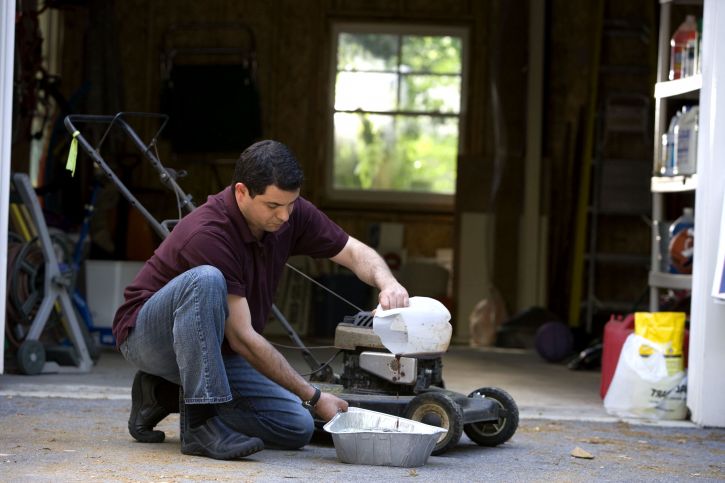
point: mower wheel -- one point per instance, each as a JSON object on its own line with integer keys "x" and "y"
{"x": 501, "y": 430}
{"x": 438, "y": 409}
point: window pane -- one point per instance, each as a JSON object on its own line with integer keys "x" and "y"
{"x": 431, "y": 93}
{"x": 441, "y": 55}
{"x": 428, "y": 147}
{"x": 367, "y": 52}
{"x": 366, "y": 91}
{"x": 376, "y": 147}
{"x": 362, "y": 145}
{"x": 395, "y": 153}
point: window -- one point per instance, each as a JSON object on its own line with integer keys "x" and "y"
{"x": 396, "y": 112}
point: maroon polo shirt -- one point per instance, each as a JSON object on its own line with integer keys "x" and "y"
{"x": 217, "y": 234}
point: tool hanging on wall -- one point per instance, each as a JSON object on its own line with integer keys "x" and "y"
{"x": 208, "y": 71}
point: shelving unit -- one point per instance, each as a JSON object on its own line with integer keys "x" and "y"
{"x": 666, "y": 91}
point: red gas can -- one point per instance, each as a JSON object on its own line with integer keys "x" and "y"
{"x": 616, "y": 332}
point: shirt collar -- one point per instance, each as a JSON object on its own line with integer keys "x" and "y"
{"x": 236, "y": 216}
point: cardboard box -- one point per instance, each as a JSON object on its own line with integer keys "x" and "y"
{"x": 105, "y": 283}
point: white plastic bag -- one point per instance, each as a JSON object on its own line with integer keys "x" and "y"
{"x": 642, "y": 387}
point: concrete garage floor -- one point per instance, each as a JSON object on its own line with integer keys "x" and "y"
{"x": 71, "y": 427}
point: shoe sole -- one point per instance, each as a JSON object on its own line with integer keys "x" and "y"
{"x": 230, "y": 455}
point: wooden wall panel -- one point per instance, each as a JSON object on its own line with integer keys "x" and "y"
{"x": 292, "y": 52}
{"x": 293, "y": 47}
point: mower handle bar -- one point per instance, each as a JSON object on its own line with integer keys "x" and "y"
{"x": 167, "y": 179}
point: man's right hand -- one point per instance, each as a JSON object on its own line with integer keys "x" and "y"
{"x": 329, "y": 405}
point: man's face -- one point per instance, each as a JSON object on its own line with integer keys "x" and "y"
{"x": 267, "y": 211}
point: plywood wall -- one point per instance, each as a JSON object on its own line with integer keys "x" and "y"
{"x": 292, "y": 51}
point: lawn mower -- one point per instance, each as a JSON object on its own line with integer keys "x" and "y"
{"x": 376, "y": 376}
{"x": 390, "y": 364}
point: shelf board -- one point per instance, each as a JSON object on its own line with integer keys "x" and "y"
{"x": 673, "y": 184}
{"x": 686, "y": 87}
{"x": 670, "y": 280}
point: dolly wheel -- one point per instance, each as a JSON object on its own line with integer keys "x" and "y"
{"x": 31, "y": 357}
{"x": 438, "y": 409}
{"x": 497, "y": 432}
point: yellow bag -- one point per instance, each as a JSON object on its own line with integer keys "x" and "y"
{"x": 650, "y": 380}
{"x": 667, "y": 329}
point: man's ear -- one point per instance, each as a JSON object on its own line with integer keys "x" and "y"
{"x": 240, "y": 191}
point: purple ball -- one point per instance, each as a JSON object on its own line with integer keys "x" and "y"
{"x": 554, "y": 341}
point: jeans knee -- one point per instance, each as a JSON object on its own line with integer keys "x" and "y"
{"x": 299, "y": 433}
{"x": 280, "y": 430}
{"x": 211, "y": 286}
{"x": 210, "y": 278}
{"x": 199, "y": 294}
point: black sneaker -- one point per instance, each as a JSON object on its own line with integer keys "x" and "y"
{"x": 214, "y": 439}
{"x": 152, "y": 399}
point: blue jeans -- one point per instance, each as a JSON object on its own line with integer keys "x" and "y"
{"x": 178, "y": 336}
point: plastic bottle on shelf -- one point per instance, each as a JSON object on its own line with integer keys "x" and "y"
{"x": 668, "y": 146}
{"x": 686, "y": 32}
{"x": 682, "y": 239}
{"x": 685, "y": 148}
{"x": 691, "y": 55}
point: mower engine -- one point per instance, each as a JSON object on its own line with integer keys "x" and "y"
{"x": 369, "y": 368}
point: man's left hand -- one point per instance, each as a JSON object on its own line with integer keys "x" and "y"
{"x": 329, "y": 405}
{"x": 393, "y": 296}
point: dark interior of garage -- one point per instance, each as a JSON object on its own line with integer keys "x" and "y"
{"x": 230, "y": 73}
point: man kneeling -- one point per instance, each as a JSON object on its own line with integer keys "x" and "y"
{"x": 194, "y": 314}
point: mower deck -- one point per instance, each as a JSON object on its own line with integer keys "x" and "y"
{"x": 475, "y": 410}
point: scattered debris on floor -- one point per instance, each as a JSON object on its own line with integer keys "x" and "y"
{"x": 580, "y": 453}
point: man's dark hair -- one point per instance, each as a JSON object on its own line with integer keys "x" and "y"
{"x": 267, "y": 163}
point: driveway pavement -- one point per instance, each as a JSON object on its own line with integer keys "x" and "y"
{"x": 73, "y": 428}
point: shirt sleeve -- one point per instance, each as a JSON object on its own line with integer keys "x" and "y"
{"x": 316, "y": 235}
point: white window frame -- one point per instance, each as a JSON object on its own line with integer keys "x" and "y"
{"x": 380, "y": 196}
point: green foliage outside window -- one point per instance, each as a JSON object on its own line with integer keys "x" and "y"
{"x": 397, "y": 102}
